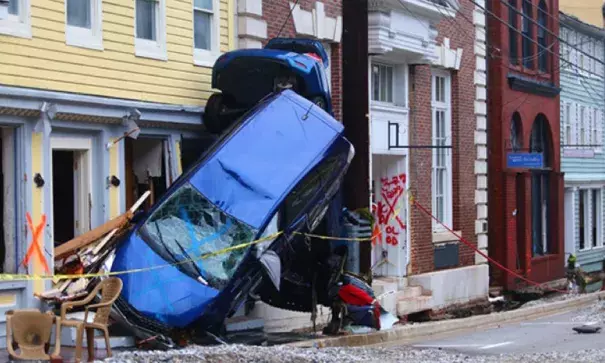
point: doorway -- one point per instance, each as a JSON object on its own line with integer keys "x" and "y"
{"x": 147, "y": 169}
{"x": 389, "y": 203}
{"x": 570, "y": 241}
{"x": 71, "y": 185}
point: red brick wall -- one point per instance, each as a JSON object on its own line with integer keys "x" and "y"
{"x": 276, "y": 14}
{"x": 510, "y": 237}
{"x": 461, "y": 34}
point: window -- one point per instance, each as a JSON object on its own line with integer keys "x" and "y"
{"x": 382, "y": 83}
{"x": 513, "y": 36}
{"x": 594, "y": 137}
{"x": 84, "y": 23}
{"x": 543, "y": 51}
{"x": 541, "y": 228}
{"x": 205, "y": 32}
{"x": 187, "y": 225}
{"x": 442, "y": 163}
{"x": 590, "y": 215}
{"x": 150, "y": 30}
{"x": 528, "y": 50}
{"x": 582, "y": 128}
{"x": 595, "y": 207}
{"x": 568, "y": 139}
{"x": 18, "y": 22}
{"x": 307, "y": 190}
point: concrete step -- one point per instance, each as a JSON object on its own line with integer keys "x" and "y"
{"x": 412, "y": 305}
{"x": 410, "y": 292}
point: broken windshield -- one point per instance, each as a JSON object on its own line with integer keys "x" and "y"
{"x": 187, "y": 226}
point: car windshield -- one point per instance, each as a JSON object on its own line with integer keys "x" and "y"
{"x": 187, "y": 226}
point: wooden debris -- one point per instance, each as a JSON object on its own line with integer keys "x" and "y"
{"x": 92, "y": 236}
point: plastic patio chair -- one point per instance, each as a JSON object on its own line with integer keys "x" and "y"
{"x": 110, "y": 289}
{"x": 29, "y": 331}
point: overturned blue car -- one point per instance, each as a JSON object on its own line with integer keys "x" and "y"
{"x": 270, "y": 177}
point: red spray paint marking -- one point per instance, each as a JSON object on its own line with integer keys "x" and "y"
{"x": 34, "y": 247}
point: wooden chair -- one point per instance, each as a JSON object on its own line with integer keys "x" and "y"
{"x": 110, "y": 289}
{"x": 29, "y": 331}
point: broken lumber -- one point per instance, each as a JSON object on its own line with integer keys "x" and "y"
{"x": 92, "y": 236}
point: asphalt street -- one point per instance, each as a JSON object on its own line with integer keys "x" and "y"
{"x": 545, "y": 335}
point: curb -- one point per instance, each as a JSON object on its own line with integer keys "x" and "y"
{"x": 423, "y": 330}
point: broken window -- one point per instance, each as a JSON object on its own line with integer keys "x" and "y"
{"x": 187, "y": 225}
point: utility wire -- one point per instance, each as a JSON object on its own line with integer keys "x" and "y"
{"x": 287, "y": 18}
{"x": 524, "y": 16}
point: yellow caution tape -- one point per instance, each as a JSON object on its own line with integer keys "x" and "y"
{"x": 58, "y": 277}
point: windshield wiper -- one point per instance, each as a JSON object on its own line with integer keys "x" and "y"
{"x": 197, "y": 268}
{"x": 184, "y": 264}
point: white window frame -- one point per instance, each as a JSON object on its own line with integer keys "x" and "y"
{"x": 447, "y": 108}
{"x": 568, "y": 125}
{"x": 87, "y": 38}
{"x": 149, "y": 48}
{"x": 598, "y": 123}
{"x": 205, "y": 57}
{"x": 18, "y": 25}
{"x": 393, "y": 88}
{"x": 589, "y": 222}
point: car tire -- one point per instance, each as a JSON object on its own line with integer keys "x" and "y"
{"x": 216, "y": 104}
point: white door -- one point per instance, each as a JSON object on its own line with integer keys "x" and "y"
{"x": 569, "y": 208}
{"x": 389, "y": 180}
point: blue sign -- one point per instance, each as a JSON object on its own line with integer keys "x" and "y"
{"x": 525, "y": 160}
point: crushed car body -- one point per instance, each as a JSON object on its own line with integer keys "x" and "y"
{"x": 271, "y": 175}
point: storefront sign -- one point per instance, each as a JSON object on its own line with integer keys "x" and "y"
{"x": 525, "y": 160}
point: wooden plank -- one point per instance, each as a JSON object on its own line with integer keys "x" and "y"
{"x": 91, "y": 236}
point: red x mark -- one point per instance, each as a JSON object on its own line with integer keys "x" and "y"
{"x": 35, "y": 245}
{"x": 392, "y": 207}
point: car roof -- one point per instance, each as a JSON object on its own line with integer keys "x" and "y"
{"x": 255, "y": 168}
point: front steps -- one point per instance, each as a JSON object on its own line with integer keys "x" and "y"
{"x": 405, "y": 300}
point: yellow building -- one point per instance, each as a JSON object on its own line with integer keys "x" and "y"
{"x": 74, "y": 76}
{"x": 589, "y": 11}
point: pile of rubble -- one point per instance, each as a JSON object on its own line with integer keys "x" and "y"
{"x": 88, "y": 254}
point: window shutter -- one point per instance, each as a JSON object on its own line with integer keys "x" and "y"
{"x": 600, "y": 130}
{"x": 575, "y": 127}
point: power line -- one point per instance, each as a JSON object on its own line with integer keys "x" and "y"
{"x": 523, "y": 35}
{"x": 287, "y": 18}
{"x": 524, "y": 16}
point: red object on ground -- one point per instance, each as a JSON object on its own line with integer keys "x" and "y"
{"x": 353, "y": 295}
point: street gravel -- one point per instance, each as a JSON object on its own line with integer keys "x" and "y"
{"x": 278, "y": 354}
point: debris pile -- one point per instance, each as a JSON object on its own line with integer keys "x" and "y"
{"x": 88, "y": 254}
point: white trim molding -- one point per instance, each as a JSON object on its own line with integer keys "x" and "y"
{"x": 447, "y": 57}
{"x": 155, "y": 49}
{"x": 207, "y": 57}
{"x": 18, "y": 25}
{"x": 316, "y": 23}
{"x": 408, "y": 26}
{"x": 92, "y": 37}
{"x": 479, "y": 20}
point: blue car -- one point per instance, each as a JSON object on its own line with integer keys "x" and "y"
{"x": 246, "y": 76}
{"x": 277, "y": 169}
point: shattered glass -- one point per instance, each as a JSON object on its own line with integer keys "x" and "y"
{"x": 187, "y": 226}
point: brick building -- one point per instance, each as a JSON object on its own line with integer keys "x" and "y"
{"x": 259, "y": 21}
{"x": 526, "y": 202}
{"x": 428, "y": 136}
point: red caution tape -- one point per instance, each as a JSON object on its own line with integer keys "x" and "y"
{"x": 496, "y": 263}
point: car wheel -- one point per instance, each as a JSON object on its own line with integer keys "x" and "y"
{"x": 216, "y": 105}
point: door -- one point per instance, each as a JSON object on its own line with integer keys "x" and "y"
{"x": 570, "y": 241}
{"x": 71, "y": 186}
{"x": 389, "y": 183}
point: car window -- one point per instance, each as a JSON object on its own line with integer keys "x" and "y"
{"x": 306, "y": 189}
